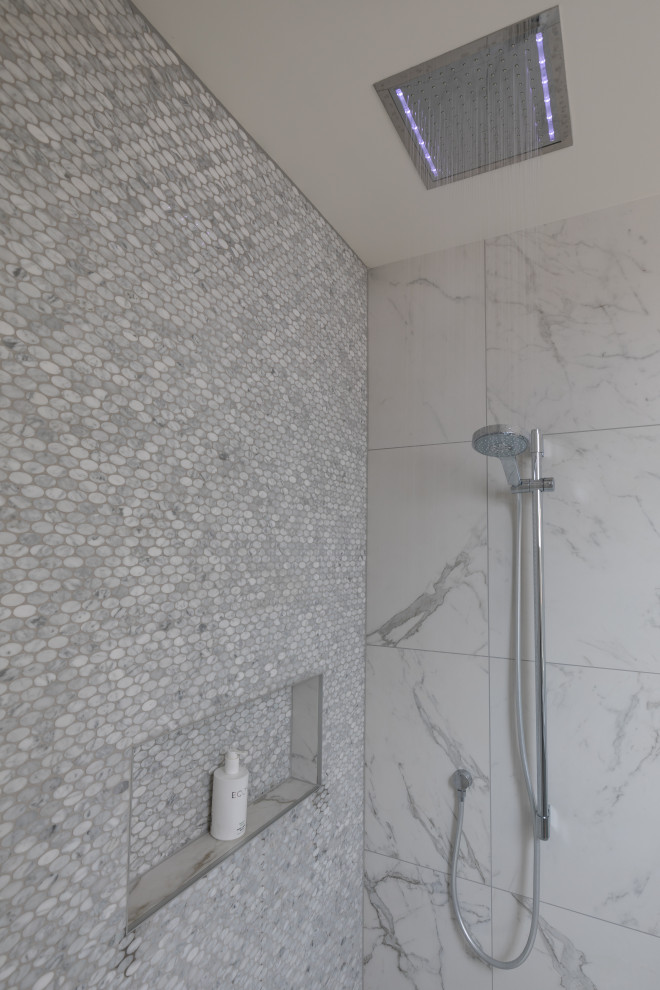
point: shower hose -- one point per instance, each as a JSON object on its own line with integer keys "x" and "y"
{"x": 490, "y": 960}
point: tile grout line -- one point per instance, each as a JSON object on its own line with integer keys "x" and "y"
{"x": 549, "y": 433}
{"x": 514, "y": 894}
{"x": 497, "y": 656}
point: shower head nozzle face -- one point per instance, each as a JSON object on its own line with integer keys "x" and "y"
{"x": 502, "y": 442}
{"x": 499, "y": 441}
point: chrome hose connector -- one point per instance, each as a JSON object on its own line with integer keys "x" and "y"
{"x": 461, "y": 779}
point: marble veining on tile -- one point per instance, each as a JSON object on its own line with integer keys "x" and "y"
{"x": 427, "y": 715}
{"x": 426, "y": 349}
{"x": 602, "y": 542}
{"x": 602, "y": 858}
{"x": 572, "y": 950}
{"x": 426, "y": 569}
{"x": 572, "y": 311}
{"x": 411, "y": 942}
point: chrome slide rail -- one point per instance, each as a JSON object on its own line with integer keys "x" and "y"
{"x": 539, "y": 485}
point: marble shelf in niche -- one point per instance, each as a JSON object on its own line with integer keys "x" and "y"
{"x": 284, "y": 729}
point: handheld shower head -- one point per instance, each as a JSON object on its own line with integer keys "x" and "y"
{"x": 503, "y": 442}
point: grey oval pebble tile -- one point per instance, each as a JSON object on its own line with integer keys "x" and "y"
{"x": 182, "y": 434}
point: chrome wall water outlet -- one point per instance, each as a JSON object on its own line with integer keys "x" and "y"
{"x": 461, "y": 779}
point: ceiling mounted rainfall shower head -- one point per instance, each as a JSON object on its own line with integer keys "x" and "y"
{"x": 503, "y": 442}
{"x": 494, "y": 101}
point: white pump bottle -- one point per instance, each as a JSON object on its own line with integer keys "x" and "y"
{"x": 229, "y": 802}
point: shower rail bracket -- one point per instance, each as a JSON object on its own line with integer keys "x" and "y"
{"x": 543, "y": 826}
{"x": 528, "y": 485}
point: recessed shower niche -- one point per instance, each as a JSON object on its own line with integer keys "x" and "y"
{"x": 170, "y": 846}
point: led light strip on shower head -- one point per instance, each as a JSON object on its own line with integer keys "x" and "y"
{"x": 544, "y": 83}
{"x": 416, "y": 132}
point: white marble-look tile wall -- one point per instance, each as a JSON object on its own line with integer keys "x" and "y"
{"x": 437, "y": 719}
{"x": 427, "y": 316}
{"x": 427, "y": 569}
{"x": 572, "y": 345}
{"x": 603, "y": 532}
{"x": 410, "y": 940}
{"x": 572, "y": 322}
{"x": 604, "y": 765}
{"x": 572, "y": 951}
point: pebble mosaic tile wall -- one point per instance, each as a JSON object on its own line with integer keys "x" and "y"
{"x": 171, "y": 775}
{"x": 182, "y": 415}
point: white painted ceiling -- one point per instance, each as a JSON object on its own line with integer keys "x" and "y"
{"x": 298, "y": 75}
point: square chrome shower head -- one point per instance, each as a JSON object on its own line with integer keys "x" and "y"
{"x": 495, "y": 101}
